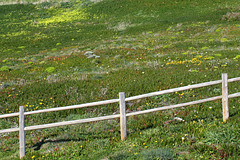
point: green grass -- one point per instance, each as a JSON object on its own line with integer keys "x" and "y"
{"x": 59, "y": 54}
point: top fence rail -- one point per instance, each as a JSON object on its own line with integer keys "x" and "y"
{"x": 205, "y": 84}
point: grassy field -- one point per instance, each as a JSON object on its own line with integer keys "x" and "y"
{"x": 59, "y": 54}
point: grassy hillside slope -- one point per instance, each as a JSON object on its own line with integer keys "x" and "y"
{"x": 59, "y": 54}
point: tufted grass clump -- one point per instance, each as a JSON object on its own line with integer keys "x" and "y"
{"x": 226, "y": 134}
{"x": 50, "y": 69}
{"x": 5, "y": 68}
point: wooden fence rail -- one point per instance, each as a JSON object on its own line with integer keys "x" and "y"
{"x": 127, "y": 99}
{"x": 122, "y": 103}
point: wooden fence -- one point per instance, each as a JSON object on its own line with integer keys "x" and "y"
{"x": 122, "y": 103}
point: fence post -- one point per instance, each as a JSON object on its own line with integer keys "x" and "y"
{"x": 123, "y": 120}
{"x": 21, "y": 132}
{"x": 225, "y": 97}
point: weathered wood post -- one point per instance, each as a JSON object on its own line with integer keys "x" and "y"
{"x": 21, "y": 132}
{"x": 225, "y": 97}
{"x": 123, "y": 120}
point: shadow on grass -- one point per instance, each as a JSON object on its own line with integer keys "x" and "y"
{"x": 38, "y": 145}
